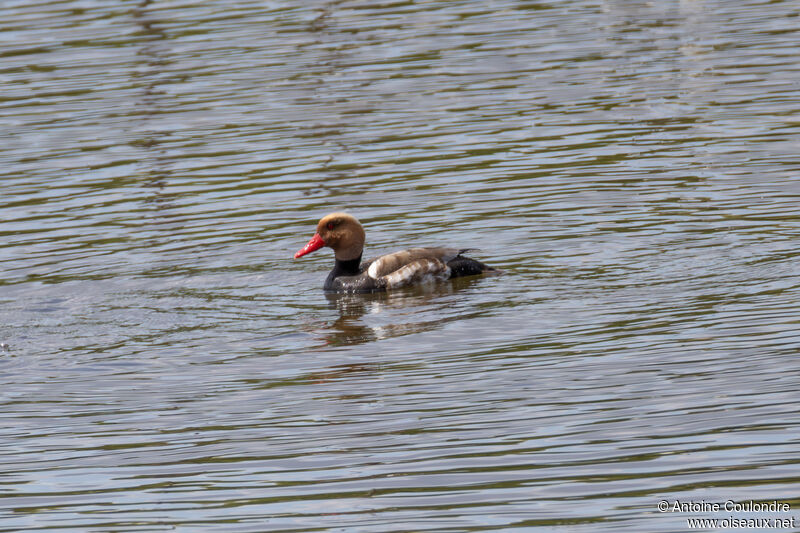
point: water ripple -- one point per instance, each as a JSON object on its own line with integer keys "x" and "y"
{"x": 630, "y": 166}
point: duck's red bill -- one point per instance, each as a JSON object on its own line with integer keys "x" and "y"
{"x": 315, "y": 243}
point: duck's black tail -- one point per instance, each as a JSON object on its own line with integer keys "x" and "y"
{"x": 466, "y": 266}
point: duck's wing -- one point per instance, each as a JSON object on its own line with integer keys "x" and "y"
{"x": 422, "y": 270}
{"x": 389, "y": 263}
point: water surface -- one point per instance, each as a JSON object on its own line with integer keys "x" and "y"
{"x": 165, "y": 364}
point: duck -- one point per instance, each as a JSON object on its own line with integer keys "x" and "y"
{"x": 345, "y": 235}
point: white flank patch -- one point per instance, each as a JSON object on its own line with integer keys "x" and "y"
{"x": 400, "y": 277}
{"x": 421, "y": 271}
{"x": 373, "y": 269}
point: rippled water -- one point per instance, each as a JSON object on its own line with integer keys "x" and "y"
{"x": 164, "y": 363}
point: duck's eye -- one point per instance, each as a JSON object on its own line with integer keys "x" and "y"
{"x": 330, "y": 225}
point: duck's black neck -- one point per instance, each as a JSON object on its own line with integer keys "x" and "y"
{"x": 346, "y": 268}
{"x": 343, "y": 268}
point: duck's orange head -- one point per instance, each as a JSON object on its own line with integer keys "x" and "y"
{"x": 340, "y": 231}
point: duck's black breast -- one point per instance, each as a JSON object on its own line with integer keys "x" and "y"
{"x": 351, "y": 276}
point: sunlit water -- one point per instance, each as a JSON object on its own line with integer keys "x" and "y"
{"x": 165, "y": 364}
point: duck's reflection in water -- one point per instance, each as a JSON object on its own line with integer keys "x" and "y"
{"x": 342, "y": 372}
{"x": 373, "y": 316}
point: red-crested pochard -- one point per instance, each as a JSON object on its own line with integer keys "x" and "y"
{"x": 344, "y": 233}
